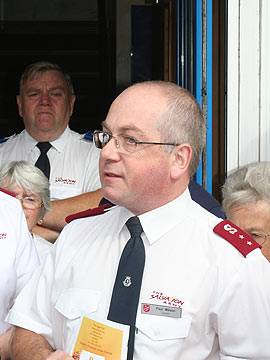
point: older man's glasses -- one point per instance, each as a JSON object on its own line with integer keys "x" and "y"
{"x": 30, "y": 201}
{"x": 126, "y": 143}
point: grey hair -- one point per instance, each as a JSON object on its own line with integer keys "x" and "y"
{"x": 182, "y": 121}
{"x": 33, "y": 70}
{"x": 248, "y": 184}
{"x": 29, "y": 178}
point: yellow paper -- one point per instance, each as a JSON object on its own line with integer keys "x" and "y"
{"x": 98, "y": 338}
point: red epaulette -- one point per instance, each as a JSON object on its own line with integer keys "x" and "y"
{"x": 241, "y": 240}
{"x": 89, "y": 212}
{"x": 11, "y": 193}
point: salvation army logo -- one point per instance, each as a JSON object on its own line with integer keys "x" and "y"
{"x": 146, "y": 307}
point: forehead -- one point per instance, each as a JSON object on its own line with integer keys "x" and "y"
{"x": 137, "y": 107}
{"x": 50, "y": 77}
{"x": 253, "y": 216}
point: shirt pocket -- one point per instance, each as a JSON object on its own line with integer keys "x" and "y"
{"x": 163, "y": 328}
{"x": 63, "y": 192}
{"x": 70, "y": 306}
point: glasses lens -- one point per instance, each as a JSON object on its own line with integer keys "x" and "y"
{"x": 97, "y": 141}
{"x": 101, "y": 138}
{"x": 259, "y": 238}
{"x": 30, "y": 202}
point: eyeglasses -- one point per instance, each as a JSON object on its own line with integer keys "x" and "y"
{"x": 127, "y": 143}
{"x": 30, "y": 201}
{"x": 260, "y": 238}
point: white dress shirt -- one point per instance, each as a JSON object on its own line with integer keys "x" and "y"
{"x": 43, "y": 246}
{"x": 73, "y": 160}
{"x": 18, "y": 256}
{"x": 224, "y": 297}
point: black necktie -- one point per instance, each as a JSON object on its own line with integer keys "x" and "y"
{"x": 127, "y": 285}
{"x": 43, "y": 162}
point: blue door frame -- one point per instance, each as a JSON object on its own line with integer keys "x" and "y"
{"x": 202, "y": 76}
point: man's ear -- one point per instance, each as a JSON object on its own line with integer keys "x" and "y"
{"x": 182, "y": 156}
{"x": 72, "y": 102}
{"x": 19, "y": 103}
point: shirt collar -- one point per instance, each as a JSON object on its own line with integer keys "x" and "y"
{"x": 152, "y": 221}
{"x": 61, "y": 141}
{"x": 159, "y": 221}
{"x": 29, "y": 142}
{"x": 58, "y": 144}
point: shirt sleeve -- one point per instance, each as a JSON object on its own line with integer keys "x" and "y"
{"x": 32, "y": 306}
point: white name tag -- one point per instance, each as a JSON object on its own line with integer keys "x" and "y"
{"x": 161, "y": 310}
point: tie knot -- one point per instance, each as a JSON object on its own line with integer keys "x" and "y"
{"x": 44, "y": 146}
{"x": 134, "y": 226}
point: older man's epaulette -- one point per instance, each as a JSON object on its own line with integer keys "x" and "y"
{"x": 11, "y": 193}
{"x": 88, "y": 213}
{"x": 88, "y": 136}
{"x": 241, "y": 240}
{"x": 4, "y": 139}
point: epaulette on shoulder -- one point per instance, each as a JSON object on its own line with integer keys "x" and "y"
{"x": 88, "y": 213}
{"x": 88, "y": 136}
{"x": 3, "y": 139}
{"x": 241, "y": 240}
{"x": 11, "y": 193}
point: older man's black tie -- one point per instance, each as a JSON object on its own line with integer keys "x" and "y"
{"x": 127, "y": 285}
{"x": 43, "y": 162}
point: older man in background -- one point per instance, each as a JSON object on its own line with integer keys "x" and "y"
{"x": 45, "y": 102}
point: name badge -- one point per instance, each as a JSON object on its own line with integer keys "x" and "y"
{"x": 161, "y": 310}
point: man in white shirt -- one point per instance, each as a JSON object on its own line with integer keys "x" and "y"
{"x": 201, "y": 296}
{"x": 45, "y": 103}
{"x": 18, "y": 259}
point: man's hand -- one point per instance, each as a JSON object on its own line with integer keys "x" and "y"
{"x": 27, "y": 345}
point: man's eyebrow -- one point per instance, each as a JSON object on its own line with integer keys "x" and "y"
{"x": 38, "y": 88}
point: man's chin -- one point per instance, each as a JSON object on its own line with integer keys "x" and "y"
{"x": 110, "y": 195}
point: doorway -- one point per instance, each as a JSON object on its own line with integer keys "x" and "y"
{"x": 79, "y": 36}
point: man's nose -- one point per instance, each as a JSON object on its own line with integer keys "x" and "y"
{"x": 45, "y": 98}
{"x": 111, "y": 149}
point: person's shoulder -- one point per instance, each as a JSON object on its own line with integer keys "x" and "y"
{"x": 82, "y": 142}
{"x": 84, "y": 137}
{"x": 231, "y": 236}
{"x": 88, "y": 136}
{"x": 10, "y": 207}
{"x": 89, "y": 213}
{"x": 9, "y": 140}
{"x": 236, "y": 237}
{"x": 3, "y": 139}
{"x": 7, "y": 194}
{"x": 205, "y": 199}
{"x": 86, "y": 227}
